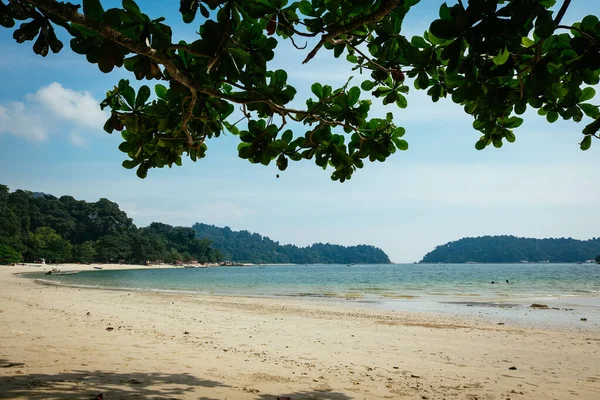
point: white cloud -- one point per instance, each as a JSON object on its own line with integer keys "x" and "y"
{"x": 52, "y": 109}
{"x": 77, "y": 140}
{"x": 16, "y": 120}
{"x": 80, "y": 108}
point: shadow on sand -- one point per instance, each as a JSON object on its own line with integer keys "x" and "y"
{"x": 85, "y": 385}
{"x": 80, "y": 384}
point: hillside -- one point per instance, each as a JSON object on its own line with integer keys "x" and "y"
{"x": 243, "y": 246}
{"x": 510, "y": 249}
{"x": 36, "y": 225}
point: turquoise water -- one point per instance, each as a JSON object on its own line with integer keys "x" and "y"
{"x": 372, "y": 282}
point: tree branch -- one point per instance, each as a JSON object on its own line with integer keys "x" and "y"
{"x": 70, "y": 14}
{"x": 187, "y": 115}
{"x": 387, "y": 7}
{"x": 574, "y": 28}
{"x": 187, "y": 49}
{"x": 562, "y": 11}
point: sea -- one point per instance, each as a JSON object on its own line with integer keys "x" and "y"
{"x": 502, "y": 291}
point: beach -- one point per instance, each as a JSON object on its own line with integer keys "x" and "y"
{"x": 73, "y": 343}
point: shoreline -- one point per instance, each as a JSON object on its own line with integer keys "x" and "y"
{"x": 565, "y": 311}
{"x": 57, "y": 345}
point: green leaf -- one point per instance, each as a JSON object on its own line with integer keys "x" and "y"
{"x": 317, "y": 89}
{"x": 513, "y": 122}
{"x": 287, "y": 136}
{"x": 544, "y": 25}
{"x": 142, "y": 96}
{"x": 589, "y": 23}
{"x": 401, "y": 144}
{"x": 422, "y": 81}
{"x": 109, "y": 126}
{"x": 282, "y": 162}
{"x": 586, "y": 143}
{"x": 443, "y": 29}
{"x": 445, "y": 12}
{"x": 353, "y": 95}
{"x": 525, "y": 41}
{"x": 510, "y": 137}
{"x": 305, "y": 7}
{"x": 129, "y": 94}
{"x": 587, "y": 94}
{"x": 161, "y": 91}
{"x": 502, "y": 57}
{"x": 419, "y": 42}
{"x": 590, "y": 110}
{"x": 401, "y": 100}
{"x": 92, "y": 9}
{"x": 133, "y": 8}
{"x": 142, "y": 172}
{"x": 520, "y": 107}
{"x": 204, "y": 11}
{"x": 552, "y": 116}
{"x": 130, "y": 164}
{"x": 481, "y": 144}
{"x": 398, "y": 132}
{"x": 367, "y": 85}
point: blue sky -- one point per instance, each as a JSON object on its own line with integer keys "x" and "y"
{"x": 441, "y": 189}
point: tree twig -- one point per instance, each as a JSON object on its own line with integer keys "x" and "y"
{"x": 574, "y": 28}
{"x": 187, "y": 115}
{"x": 387, "y": 7}
{"x": 562, "y": 11}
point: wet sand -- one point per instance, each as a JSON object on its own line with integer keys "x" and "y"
{"x": 56, "y": 343}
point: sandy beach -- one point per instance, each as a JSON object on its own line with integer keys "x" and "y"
{"x": 71, "y": 343}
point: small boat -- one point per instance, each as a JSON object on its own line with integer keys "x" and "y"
{"x": 59, "y": 272}
{"x": 97, "y": 267}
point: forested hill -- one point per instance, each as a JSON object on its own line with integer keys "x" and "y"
{"x": 243, "y": 246}
{"x": 36, "y": 225}
{"x": 510, "y": 249}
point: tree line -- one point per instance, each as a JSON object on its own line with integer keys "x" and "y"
{"x": 511, "y": 249}
{"x": 41, "y": 226}
{"x": 37, "y": 226}
{"x": 244, "y": 246}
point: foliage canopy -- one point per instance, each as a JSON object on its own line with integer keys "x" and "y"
{"x": 496, "y": 58}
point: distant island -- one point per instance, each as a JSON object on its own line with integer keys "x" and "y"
{"x": 244, "y": 246}
{"x": 512, "y": 249}
{"x": 36, "y": 226}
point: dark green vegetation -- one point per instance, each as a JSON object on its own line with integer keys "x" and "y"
{"x": 496, "y": 58}
{"x": 244, "y": 246}
{"x": 598, "y": 259}
{"x": 38, "y": 225}
{"x": 510, "y": 249}
{"x": 34, "y": 226}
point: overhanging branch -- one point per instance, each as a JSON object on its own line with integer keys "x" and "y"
{"x": 387, "y": 7}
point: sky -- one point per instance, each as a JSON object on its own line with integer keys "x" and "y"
{"x": 440, "y": 190}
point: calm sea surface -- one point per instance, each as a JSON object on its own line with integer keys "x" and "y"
{"x": 358, "y": 281}
{"x": 572, "y": 291}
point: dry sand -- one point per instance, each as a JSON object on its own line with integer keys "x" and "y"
{"x": 54, "y": 344}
